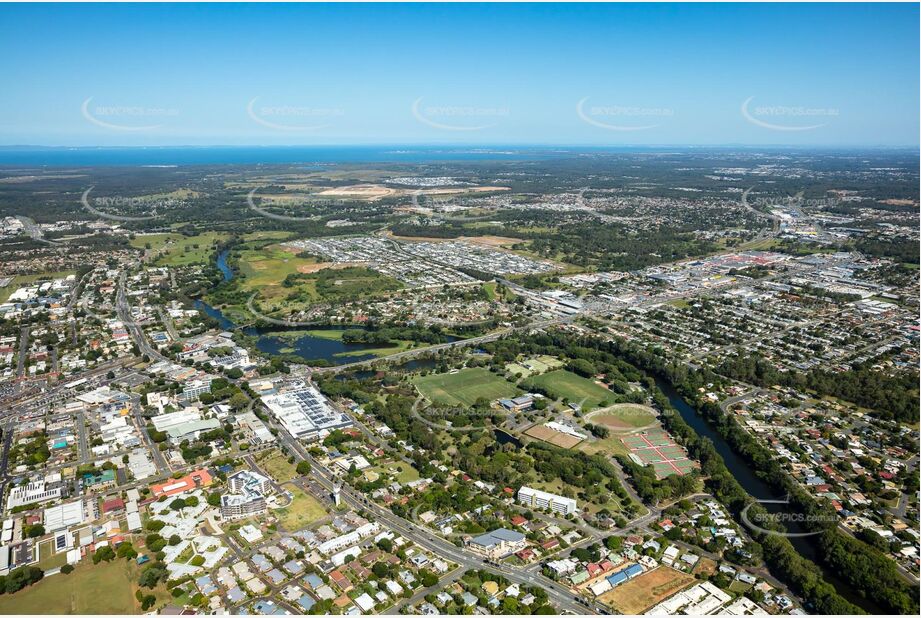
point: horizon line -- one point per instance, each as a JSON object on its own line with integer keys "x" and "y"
{"x": 465, "y": 146}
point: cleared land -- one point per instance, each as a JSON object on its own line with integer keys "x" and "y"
{"x": 303, "y": 511}
{"x": 639, "y": 594}
{"x": 465, "y": 387}
{"x": 622, "y": 416}
{"x": 563, "y": 384}
{"x": 403, "y": 473}
{"x": 278, "y": 467}
{"x": 556, "y": 438}
{"x": 264, "y": 270}
{"x": 267, "y": 268}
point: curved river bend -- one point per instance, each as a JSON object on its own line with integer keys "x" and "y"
{"x": 311, "y": 347}
{"x": 806, "y": 546}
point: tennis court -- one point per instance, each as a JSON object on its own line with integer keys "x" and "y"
{"x": 656, "y": 448}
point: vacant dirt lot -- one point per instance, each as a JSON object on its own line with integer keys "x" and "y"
{"x": 556, "y": 438}
{"x": 639, "y": 594}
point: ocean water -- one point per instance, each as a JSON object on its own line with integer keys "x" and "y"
{"x": 229, "y": 155}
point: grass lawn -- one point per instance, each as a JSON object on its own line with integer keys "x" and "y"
{"x": 400, "y": 346}
{"x": 623, "y": 416}
{"x": 407, "y": 474}
{"x": 331, "y": 334}
{"x": 564, "y": 384}
{"x": 609, "y": 446}
{"x": 762, "y": 244}
{"x": 302, "y": 512}
{"x": 104, "y": 588}
{"x": 265, "y": 269}
{"x": 532, "y": 366}
{"x": 179, "y": 250}
{"x": 278, "y": 467}
{"x": 47, "y": 559}
{"x": 21, "y": 280}
{"x": 465, "y": 387}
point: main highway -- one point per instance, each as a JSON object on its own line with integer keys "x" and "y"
{"x": 561, "y": 597}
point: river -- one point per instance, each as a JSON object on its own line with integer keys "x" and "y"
{"x": 311, "y": 347}
{"x": 807, "y": 546}
{"x": 274, "y": 341}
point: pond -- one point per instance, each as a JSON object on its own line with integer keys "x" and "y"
{"x": 275, "y": 341}
{"x": 280, "y": 340}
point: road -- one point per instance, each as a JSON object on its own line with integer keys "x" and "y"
{"x": 134, "y": 329}
{"x": 34, "y": 231}
{"x": 75, "y": 292}
{"x": 23, "y": 351}
{"x": 81, "y": 438}
{"x": 139, "y": 422}
{"x": 168, "y": 324}
{"x": 7, "y": 441}
{"x": 559, "y": 595}
{"x": 443, "y": 346}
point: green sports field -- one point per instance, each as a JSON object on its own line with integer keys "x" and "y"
{"x": 623, "y": 416}
{"x": 106, "y": 588}
{"x": 565, "y": 384}
{"x": 465, "y": 387}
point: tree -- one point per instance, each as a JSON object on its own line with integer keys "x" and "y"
{"x": 20, "y": 578}
{"x": 214, "y": 499}
{"x": 386, "y": 545}
{"x": 126, "y": 551}
{"x": 238, "y": 401}
{"x": 178, "y": 504}
{"x": 35, "y": 531}
{"x": 154, "y": 525}
{"x": 428, "y": 578}
{"x": 175, "y": 540}
{"x": 103, "y": 553}
{"x": 153, "y": 574}
{"x": 303, "y": 467}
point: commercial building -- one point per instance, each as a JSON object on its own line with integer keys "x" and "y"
{"x": 173, "y": 487}
{"x": 32, "y": 493}
{"x": 305, "y": 413}
{"x": 536, "y": 498}
{"x": 259, "y": 433}
{"x": 248, "y": 490}
{"x": 192, "y": 430}
{"x": 498, "y": 543}
{"x": 64, "y": 516}
{"x": 518, "y": 404}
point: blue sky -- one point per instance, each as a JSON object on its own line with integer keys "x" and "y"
{"x": 817, "y": 74}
